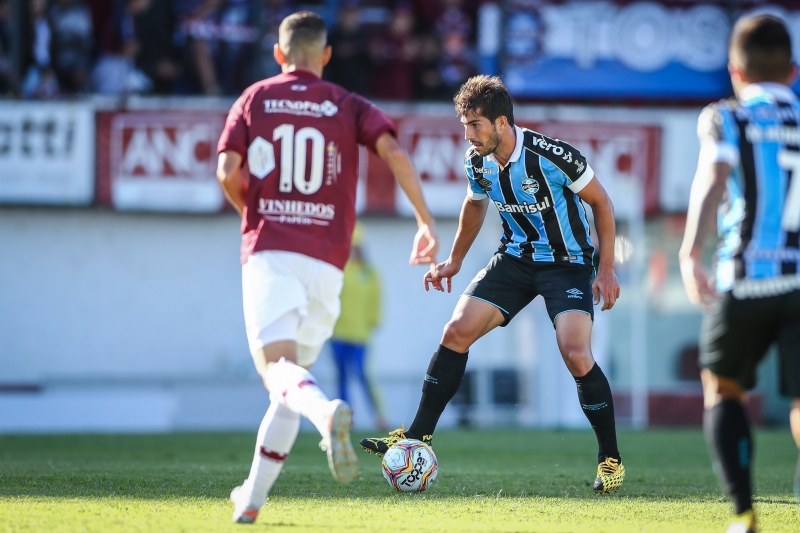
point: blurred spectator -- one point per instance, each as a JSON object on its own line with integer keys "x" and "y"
{"x": 237, "y": 33}
{"x": 455, "y": 16}
{"x": 395, "y": 57}
{"x": 194, "y": 17}
{"x": 349, "y": 63}
{"x": 71, "y": 43}
{"x": 272, "y": 13}
{"x": 216, "y": 35}
{"x": 6, "y": 78}
{"x": 39, "y": 80}
{"x": 115, "y": 71}
{"x": 157, "y": 54}
{"x": 430, "y": 85}
{"x": 418, "y": 49}
{"x": 456, "y": 64}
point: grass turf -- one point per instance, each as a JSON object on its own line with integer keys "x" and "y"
{"x": 488, "y": 481}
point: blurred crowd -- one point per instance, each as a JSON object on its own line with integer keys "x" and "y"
{"x": 412, "y": 50}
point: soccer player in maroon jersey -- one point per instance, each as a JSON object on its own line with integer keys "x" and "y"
{"x": 298, "y": 137}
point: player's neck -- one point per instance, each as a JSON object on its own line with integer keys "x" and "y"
{"x": 313, "y": 69}
{"x": 506, "y": 147}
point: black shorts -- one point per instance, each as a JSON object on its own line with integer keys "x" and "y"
{"x": 510, "y": 283}
{"x": 737, "y": 333}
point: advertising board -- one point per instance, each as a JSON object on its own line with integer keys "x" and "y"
{"x": 623, "y": 49}
{"x": 166, "y": 161}
{"x": 46, "y": 153}
{"x": 160, "y": 161}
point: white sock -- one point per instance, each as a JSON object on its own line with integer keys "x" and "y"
{"x": 297, "y": 389}
{"x": 276, "y": 435}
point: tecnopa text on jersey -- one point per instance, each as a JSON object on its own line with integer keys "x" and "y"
{"x": 301, "y": 107}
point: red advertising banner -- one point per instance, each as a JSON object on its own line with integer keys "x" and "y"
{"x": 165, "y": 161}
{"x": 159, "y": 161}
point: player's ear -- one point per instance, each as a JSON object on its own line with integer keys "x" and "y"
{"x": 501, "y": 123}
{"x": 792, "y": 75}
{"x": 737, "y": 76}
{"x": 277, "y": 53}
{"x": 326, "y": 55}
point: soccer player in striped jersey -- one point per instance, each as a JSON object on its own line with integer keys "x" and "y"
{"x": 538, "y": 185}
{"x": 748, "y": 185}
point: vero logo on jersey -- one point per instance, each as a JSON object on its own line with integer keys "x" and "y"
{"x": 574, "y": 293}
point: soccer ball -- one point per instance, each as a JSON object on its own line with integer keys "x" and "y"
{"x": 410, "y": 466}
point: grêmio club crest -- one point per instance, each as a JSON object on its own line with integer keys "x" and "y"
{"x": 530, "y": 186}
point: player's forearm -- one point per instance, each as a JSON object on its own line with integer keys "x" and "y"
{"x": 606, "y": 232}
{"x": 409, "y": 181}
{"x": 229, "y": 174}
{"x": 469, "y": 225}
{"x": 707, "y": 191}
{"x": 233, "y": 187}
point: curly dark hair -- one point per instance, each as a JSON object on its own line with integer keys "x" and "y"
{"x": 761, "y": 48}
{"x": 485, "y": 96}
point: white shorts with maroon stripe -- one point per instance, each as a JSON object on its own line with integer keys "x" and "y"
{"x": 290, "y": 296}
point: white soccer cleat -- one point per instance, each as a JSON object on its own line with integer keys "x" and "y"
{"x": 341, "y": 455}
{"x": 244, "y": 512}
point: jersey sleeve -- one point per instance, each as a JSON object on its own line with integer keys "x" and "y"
{"x": 235, "y": 136}
{"x": 574, "y": 169}
{"x": 474, "y": 191}
{"x": 714, "y": 146}
{"x": 371, "y": 123}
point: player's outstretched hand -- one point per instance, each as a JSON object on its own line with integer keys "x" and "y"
{"x": 443, "y": 271}
{"x": 426, "y": 244}
{"x": 698, "y": 286}
{"x": 607, "y": 285}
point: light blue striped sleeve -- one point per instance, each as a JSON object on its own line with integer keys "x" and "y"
{"x": 474, "y": 191}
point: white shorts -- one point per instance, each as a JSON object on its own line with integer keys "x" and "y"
{"x": 290, "y": 296}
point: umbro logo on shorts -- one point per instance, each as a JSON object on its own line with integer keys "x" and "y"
{"x": 574, "y": 293}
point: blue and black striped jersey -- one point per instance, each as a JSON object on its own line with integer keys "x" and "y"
{"x": 536, "y": 194}
{"x": 759, "y": 222}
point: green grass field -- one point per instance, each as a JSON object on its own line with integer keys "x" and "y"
{"x": 506, "y": 481}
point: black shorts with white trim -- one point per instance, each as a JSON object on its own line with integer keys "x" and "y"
{"x": 510, "y": 283}
{"x": 737, "y": 332}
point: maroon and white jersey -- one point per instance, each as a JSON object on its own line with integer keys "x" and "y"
{"x": 299, "y": 136}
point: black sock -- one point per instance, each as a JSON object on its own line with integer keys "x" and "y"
{"x": 594, "y": 393}
{"x": 728, "y": 436}
{"x": 444, "y": 376}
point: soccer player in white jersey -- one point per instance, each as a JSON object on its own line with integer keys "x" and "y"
{"x": 288, "y": 160}
{"x": 748, "y": 185}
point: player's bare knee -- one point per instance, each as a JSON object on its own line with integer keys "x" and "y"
{"x": 578, "y": 359}
{"x": 717, "y": 389}
{"x": 456, "y": 336}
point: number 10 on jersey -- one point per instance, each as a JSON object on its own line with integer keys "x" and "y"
{"x": 294, "y": 149}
